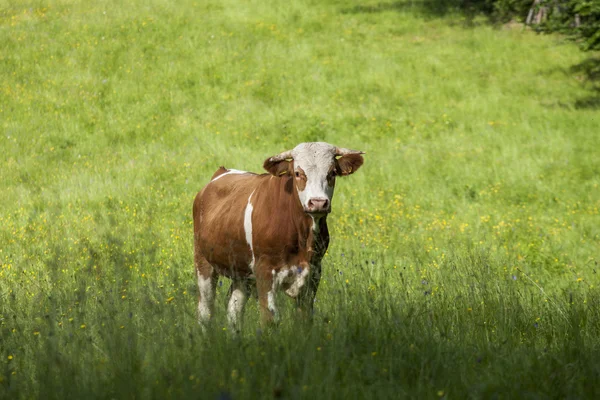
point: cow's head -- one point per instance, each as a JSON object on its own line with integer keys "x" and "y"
{"x": 314, "y": 167}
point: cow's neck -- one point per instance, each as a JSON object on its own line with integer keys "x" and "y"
{"x": 310, "y": 239}
{"x": 317, "y": 220}
{"x": 313, "y": 236}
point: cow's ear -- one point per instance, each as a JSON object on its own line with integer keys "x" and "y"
{"x": 278, "y": 167}
{"x": 348, "y": 164}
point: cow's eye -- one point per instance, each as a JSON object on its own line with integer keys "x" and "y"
{"x": 297, "y": 174}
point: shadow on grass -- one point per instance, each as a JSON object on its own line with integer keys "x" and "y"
{"x": 430, "y": 8}
{"x": 589, "y": 71}
{"x": 380, "y": 7}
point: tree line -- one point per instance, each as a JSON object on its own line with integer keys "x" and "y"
{"x": 578, "y": 19}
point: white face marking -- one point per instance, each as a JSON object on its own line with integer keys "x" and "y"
{"x": 207, "y": 298}
{"x": 248, "y": 228}
{"x": 237, "y": 301}
{"x": 230, "y": 172}
{"x": 316, "y": 160}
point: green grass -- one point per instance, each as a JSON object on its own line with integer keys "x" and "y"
{"x": 464, "y": 255}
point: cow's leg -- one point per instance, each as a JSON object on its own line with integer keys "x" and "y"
{"x": 207, "y": 284}
{"x": 308, "y": 292}
{"x": 266, "y": 296}
{"x": 238, "y": 295}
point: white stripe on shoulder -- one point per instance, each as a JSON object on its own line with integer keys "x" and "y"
{"x": 248, "y": 228}
{"x": 230, "y": 172}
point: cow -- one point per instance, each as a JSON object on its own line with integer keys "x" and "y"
{"x": 268, "y": 230}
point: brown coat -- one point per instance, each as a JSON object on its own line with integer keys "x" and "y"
{"x": 269, "y": 228}
{"x": 282, "y": 233}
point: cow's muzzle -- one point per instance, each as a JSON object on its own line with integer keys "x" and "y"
{"x": 318, "y": 205}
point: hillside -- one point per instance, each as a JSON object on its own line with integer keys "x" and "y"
{"x": 464, "y": 254}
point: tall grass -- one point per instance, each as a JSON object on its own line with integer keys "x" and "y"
{"x": 464, "y": 255}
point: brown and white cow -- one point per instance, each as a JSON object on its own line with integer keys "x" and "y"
{"x": 270, "y": 229}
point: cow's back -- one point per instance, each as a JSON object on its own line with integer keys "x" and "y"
{"x": 219, "y": 221}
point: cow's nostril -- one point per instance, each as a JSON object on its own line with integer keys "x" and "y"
{"x": 318, "y": 204}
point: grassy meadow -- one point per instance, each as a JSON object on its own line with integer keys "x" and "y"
{"x": 464, "y": 254}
